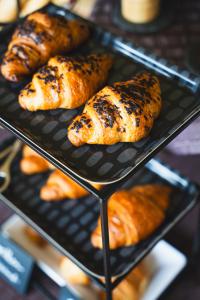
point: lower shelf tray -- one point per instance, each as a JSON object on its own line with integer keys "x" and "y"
{"x": 67, "y": 225}
{"x": 162, "y": 264}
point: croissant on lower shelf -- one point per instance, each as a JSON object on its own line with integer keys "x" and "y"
{"x": 66, "y": 82}
{"x": 73, "y": 274}
{"x": 133, "y": 215}
{"x": 40, "y": 37}
{"x": 122, "y": 112}
{"x": 133, "y": 286}
{"x": 60, "y": 186}
{"x": 32, "y": 162}
{"x": 34, "y": 237}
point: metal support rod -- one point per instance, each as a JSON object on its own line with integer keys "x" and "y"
{"x": 106, "y": 248}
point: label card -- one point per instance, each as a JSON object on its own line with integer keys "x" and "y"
{"x": 16, "y": 265}
{"x": 67, "y": 294}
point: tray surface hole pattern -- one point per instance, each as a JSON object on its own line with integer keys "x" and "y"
{"x": 69, "y": 223}
{"x": 48, "y": 130}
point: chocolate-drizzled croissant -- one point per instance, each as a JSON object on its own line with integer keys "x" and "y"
{"x": 66, "y": 82}
{"x": 32, "y": 162}
{"x": 122, "y": 112}
{"x": 40, "y": 37}
{"x": 133, "y": 215}
{"x": 60, "y": 186}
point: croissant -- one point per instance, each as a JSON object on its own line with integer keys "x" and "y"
{"x": 122, "y": 112}
{"x": 66, "y": 82}
{"x": 60, "y": 186}
{"x": 133, "y": 286}
{"x": 40, "y": 37}
{"x": 73, "y": 274}
{"x": 32, "y": 162}
{"x": 133, "y": 215}
{"x": 34, "y": 237}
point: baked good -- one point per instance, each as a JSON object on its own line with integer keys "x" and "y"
{"x": 122, "y": 112}
{"x": 66, "y": 82}
{"x": 133, "y": 286}
{"x": 32, "y": 162}
{"x": 133, "y": 215}
{"x": 8, "y": 11}
{"x": 40, "y": 37}
{"x": 60, "y": 186}
{"x": 34, "y": 236}
{"x": 73, "y": 274}
{"x": 29, "y": 6}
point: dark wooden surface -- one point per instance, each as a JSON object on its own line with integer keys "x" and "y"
{"x": 172, "y": 43}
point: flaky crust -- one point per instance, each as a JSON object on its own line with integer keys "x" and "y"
{"x": 73, "y": 274}
{"x": 66, "y": 82}
{"x": 40, "y": 37}
{"x": 34, "y": 237}
{"x": 60, "y": 186}
{"x": 32, "y": 162}
{"x": 133, "y": 286}
{"x": 122, "y": 112}
{"x": 133, "y": 215}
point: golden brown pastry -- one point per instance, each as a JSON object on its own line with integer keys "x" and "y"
{"x": 32, "y": 162}
{"x": 73, "y": 274}
{"x": 161, "y": 198}
{"x": 66, "y": 82}
{"x": 133, "y": 215}
{"x": 40, "y": 37}
{"x": 122, "y": 112}
{"x": 60, "y": 186}
{"x": 34, "y": 236}
{"x": 133, "y": 286}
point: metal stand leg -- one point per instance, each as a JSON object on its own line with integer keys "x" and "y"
{"x": 106, "y": 248}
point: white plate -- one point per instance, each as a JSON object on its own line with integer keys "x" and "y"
{"x": 163, "y": 263}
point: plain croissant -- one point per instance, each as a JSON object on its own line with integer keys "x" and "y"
{"x": 60, "y": 186}
{"x": 66, "y": 82}
{"x": 122, "y": 112}
{"x": 40, "y": 37}
{"x": 73, "y": 274}
{"x": 133, "y": 286}
{"x": 133, "y": 215}
{"x": 32, "y": 162}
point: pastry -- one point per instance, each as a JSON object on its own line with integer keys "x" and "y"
{"x": 60, "y": 186}
{"x": 133, "y": 215}
{"x": 133, "y": 286}
{"x": 66, "y": 82}
{"x": 122, "y": 112}
{"x": 73, "y": 274}
{"x": 40, "y": 37}
{"x": 34, "y": 236}
{"x": 32, "y": 162}
{"x": 8, "y": 11}
{"x": 29, "y": 6}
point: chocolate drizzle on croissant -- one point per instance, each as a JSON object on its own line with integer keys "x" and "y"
{"x": 38, "y": 38}
{"x": 122, "y": 112}
{"x": 66, "y": 82}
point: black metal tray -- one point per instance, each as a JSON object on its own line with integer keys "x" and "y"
{"x": 67, "y": 225}
{"x": 46, "y": 132}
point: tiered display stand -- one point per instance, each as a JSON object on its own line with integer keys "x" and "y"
{"x": 68, "y": 225}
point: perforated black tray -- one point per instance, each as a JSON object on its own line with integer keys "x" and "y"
{"x": 46, "y": 132}
{"x": 68, "y": 224}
